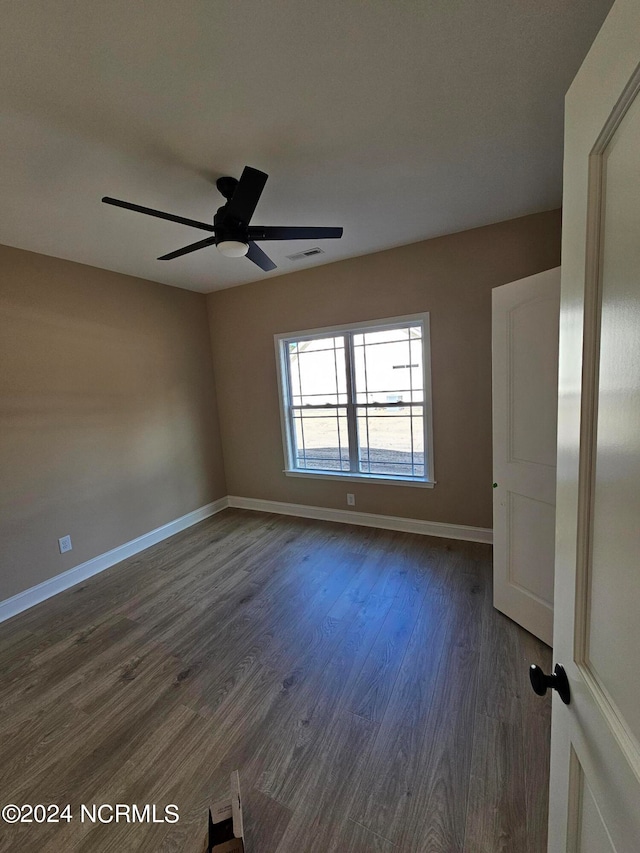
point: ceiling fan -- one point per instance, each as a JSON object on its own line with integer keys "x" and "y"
{"x": 231, "y": 232}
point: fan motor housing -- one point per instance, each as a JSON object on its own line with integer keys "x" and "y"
{"x": 227, "y": 229}
{"x": 226, "y": 186}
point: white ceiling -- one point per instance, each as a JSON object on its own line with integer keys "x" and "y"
{"x": 397, "y": 120}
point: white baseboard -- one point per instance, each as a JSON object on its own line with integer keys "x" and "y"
{"x": 24, "y": 600}
{"x": 368, "y": 519}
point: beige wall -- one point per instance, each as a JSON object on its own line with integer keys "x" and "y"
{"x": 452, "y": 278}
{"x": 107, "y": 412}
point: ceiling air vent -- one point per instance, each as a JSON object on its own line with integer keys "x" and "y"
{"x": 308, "y": 253}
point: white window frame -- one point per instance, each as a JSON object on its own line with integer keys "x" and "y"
{"x": 281, "y": 342}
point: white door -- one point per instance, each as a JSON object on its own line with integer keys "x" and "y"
{"x": 595, "y": 741}
{"x": 525, "y": 406}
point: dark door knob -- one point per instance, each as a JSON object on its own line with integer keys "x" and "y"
{"x": 558, "y": 681}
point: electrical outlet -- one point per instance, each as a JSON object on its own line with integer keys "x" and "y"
{"x": 65, "y": 544}
{"x": 351, "y": 499}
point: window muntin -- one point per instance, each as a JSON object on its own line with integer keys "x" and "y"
{"x": 355, "y": 400}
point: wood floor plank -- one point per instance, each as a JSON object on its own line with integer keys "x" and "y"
{"x": 305, "y": 627}
{"x": 505, "y": 695}
{"x": 371, "y": 690}
{"x": 177, "y": 741}
{"x": 278, "y": 755}
{"x": 303, "y": 591}
{"x": 496, "y": 818}
{"x": 266, "y": 820}
{"x": 74, "y": 663}
{"x": 320, "y": 698}
{"x": 536, "y": 729}
{"x": 321, "y": 821}
{"x": 358, "y": 679}
{"x": 501, "y": 681}
{"x": 165, "y": 771}
{"x": 436, "y": 816}
{"x": 49, "y": 729}
{"x": 383, "y": 798}
{"x": 355, "y": 838}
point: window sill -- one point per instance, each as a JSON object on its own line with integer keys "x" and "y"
{"x": 366, "y": 478}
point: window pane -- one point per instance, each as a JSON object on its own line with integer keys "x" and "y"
{"x": 389, "y": 371}
{"x": 391, "y": 441}
{"x": 374, "y": 338}
{"x": 317, "y": 371}
{"x": 321, "y": 439}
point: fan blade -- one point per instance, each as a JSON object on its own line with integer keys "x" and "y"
{"x": 277, "y": 232}
{"x": 150, "y": 212}
{"x": 258, "y": 257}
{"x": 247, "y": 194}
{"x": 193, "y": 247}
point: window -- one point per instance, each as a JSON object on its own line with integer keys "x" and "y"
{"x": 356, "y": 401}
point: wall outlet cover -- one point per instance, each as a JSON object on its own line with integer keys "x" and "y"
{"x": 351, "y": 499}
{"x": 64, "y": 544}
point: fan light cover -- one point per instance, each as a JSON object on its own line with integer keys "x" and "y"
{"x": 233, "y": 248}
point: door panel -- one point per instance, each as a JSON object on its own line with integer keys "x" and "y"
{"x": 595, "y": 753}
{"x": 612, "y": 574}
{"x": 533, "y": 342}
{"x": 593, "y": 836}
{"x": 531, "y": 538}
{"x": 525, "y": 402}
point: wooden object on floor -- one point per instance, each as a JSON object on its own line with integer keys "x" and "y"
{"x": 226, "y": 825}
{"x": 359, "y": 679}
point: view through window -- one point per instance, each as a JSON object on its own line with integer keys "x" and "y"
{"x": 355, "y": 399}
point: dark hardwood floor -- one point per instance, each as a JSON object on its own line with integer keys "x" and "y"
{"x": 359, "y": 679}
